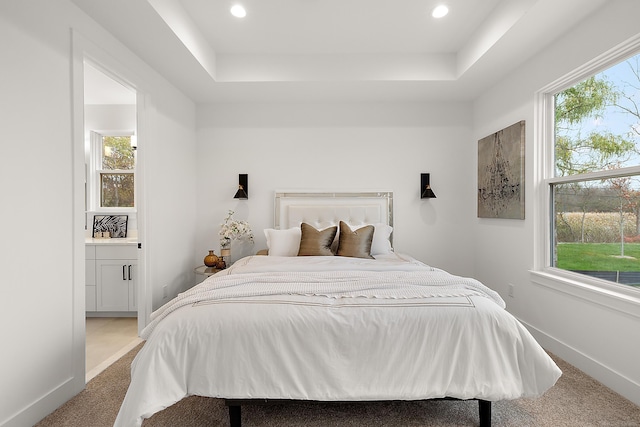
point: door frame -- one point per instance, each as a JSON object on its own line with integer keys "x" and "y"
{"x": 84, "y": 50}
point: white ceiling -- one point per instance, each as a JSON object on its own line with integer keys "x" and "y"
{"x": 335, "y": 50}
{"x": 303, "y": 27}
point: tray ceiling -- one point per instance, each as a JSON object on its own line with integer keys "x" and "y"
{"x": 328, "y": 50}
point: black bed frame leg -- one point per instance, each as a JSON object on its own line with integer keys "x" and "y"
{"x": 484, "y": 409}
{"x": 235, "y": 416}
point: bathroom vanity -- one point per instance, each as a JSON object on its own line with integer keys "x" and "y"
{"x": 111, "y": 271}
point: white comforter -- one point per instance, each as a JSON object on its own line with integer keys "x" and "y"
{"x": 334, "y": 329}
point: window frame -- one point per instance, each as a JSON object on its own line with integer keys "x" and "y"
{"x": 543, "y": 272}
{"x": 95, "y": 171}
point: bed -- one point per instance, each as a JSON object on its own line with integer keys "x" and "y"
{"x": 334, "y": 316}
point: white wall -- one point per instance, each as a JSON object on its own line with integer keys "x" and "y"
{"x": 170, "y": 197}
{"x": 37, "y": 356}
{"x": 344, "y": 147}
{"x": 109, "y": 117}
{"x": 42, "y": 287}
{"x": 587, "y": 329}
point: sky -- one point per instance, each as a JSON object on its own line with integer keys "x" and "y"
{"x": 614, "y": 120}
{"x": 622, "y": 76}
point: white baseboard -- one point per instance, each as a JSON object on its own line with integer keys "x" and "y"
{"x": 43, "y": 406}
{"x": 34, "y": 412}
{"x": 606, "y": 375}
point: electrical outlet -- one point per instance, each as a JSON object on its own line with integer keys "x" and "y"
{"x": 512, "y": 290}
{"x": 164, "y": 292}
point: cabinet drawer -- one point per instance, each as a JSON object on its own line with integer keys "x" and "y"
{"x": 116, "y": 252}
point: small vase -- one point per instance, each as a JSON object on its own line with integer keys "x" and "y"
{"x": 225, "y": 247}
{"x": 211, "y": 260}
{"x": 225, "y": 253}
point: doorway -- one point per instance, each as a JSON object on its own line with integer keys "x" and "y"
{"x": 111, "y": 214}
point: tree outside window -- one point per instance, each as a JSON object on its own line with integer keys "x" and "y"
{"x": 596, "y": 187}
{"x": 116, "y": 176}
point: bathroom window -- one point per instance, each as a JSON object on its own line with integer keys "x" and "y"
{"x": 112, "y": 173}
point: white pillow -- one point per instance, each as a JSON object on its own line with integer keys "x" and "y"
{"x": 380, "y": 244}
{"x": 283, "y": 242}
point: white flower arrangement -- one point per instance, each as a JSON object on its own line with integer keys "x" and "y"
{"x": 233, "y": 229}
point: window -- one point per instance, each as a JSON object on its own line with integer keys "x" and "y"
{"x": 113, "y": 170}
{"x": 594, "y": 180}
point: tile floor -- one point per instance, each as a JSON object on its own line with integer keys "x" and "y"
{"x": 108, "y": 339}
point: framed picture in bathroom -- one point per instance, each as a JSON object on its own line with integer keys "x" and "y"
{"x": 114, "y": 225}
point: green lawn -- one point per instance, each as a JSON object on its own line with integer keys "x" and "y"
{"x": 598, "y": 256}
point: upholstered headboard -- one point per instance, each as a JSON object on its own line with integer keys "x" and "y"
{"x": 322, "y": 209}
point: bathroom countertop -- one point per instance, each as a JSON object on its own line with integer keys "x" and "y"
{"x": 111, "y": 241}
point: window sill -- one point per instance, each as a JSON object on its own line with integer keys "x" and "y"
{"x": 619, "y": 298}
{"x": 110, "y": 211}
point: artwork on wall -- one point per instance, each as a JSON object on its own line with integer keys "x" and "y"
{"x": 116, "y": 225}
{"x": 501, "y": 174}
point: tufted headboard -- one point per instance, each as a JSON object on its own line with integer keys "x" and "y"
{"x": 322, "y": 209}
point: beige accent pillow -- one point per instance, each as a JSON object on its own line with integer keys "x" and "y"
{"x": 315, "y": 242}
{"x": 356, "y": 243}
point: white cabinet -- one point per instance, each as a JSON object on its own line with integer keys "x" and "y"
{"x": 115, "y": 271}
{"x": 115, "y": 285}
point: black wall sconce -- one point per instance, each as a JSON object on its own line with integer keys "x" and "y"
{"x": 425, "y": 189}
{"x": 243, "y": 187}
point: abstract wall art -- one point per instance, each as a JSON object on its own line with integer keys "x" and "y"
{"x": 501, "y": 173}
{"x": 116, "y": 225}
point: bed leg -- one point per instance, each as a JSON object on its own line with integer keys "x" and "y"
{"x": 235, "y": 416}
{"x": 484, "y": 409}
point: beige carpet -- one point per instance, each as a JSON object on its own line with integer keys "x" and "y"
{"x": 576, "y": 400}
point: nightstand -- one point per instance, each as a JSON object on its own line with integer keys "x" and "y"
{"x": 203, "y": 272}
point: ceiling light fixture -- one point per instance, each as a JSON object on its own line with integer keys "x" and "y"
{"x": 440, "y": 11}
{"x": 238, "y": 11}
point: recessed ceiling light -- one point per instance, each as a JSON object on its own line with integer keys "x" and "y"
{"x": 440, "y": 11}
{"x": 238, "y": 11}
